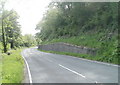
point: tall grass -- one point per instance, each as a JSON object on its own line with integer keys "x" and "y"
{"x": 12, "y": 67}
{"x": 0, "y": 63}
{"x": 106, "y": 46}
{"x": 0, "y": 68}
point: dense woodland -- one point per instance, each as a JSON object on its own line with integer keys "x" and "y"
{"x": 93, "y": 24}
{"x": 68, "y": 19}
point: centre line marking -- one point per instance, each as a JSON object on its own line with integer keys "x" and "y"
{"x": 71, "y": 70}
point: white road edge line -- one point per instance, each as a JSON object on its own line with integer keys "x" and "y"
{"x": 29, "y": 73}
{"x": 96, "y": 61}
{"x": 71, "y": 70}
{"x": 109, "y": 64}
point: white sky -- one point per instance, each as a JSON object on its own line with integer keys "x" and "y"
{"x": 30, "y": 12}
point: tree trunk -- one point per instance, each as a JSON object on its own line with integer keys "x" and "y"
{"x": 3, "y": 38}
{"x": 12, "y": 45}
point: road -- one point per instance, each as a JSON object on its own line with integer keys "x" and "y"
{"x": 54, "y": 68}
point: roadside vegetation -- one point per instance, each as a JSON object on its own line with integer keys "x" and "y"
{"x": 12, "y": 67}
{"x": 12, "y": 42}
{"x": 86, "y": 56}
{"x": 0, "y": 66}
{"x": 93, "y": 25}
{"x": 105, "y": 49}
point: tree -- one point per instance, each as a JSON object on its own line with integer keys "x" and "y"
{"x": 67, "y": 19}
{"x": 13, "y": 28}
{"x": 10, "y": 27}
{"x": 29, "y": 40}
{"x": 3, "y": 30}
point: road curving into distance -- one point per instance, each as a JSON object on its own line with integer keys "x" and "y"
{"x": 54, "y": 68}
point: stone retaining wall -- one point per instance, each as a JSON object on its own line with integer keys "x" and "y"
{"x": 64, "y": 47}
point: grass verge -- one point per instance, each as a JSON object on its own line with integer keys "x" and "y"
{"x": 86, "y": 56}
{"x": 106, "y": 45}
{"x": 12, "y": 67}
{"x": 0, "y": 69}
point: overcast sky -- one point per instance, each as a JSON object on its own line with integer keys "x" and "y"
{"x": 30, "y": 12}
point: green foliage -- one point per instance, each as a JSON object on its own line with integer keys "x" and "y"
{"x": 12, "y": 67}
{"x": 12, "y": 27}
{"x": 1, "y": 48}
{"x": 28, "y": 40}
{"x": 69, "y": 19}
{"x": 9, "y": 27}
{"x": 94, "y": 25}
{"x": 0, "y": 68}
{"x": 108, "y": 59}
{"x": 106, "y": 49}
{"x": 12, "y": 34}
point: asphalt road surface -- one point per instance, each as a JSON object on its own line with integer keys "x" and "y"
{"x": 54, "y": 68}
